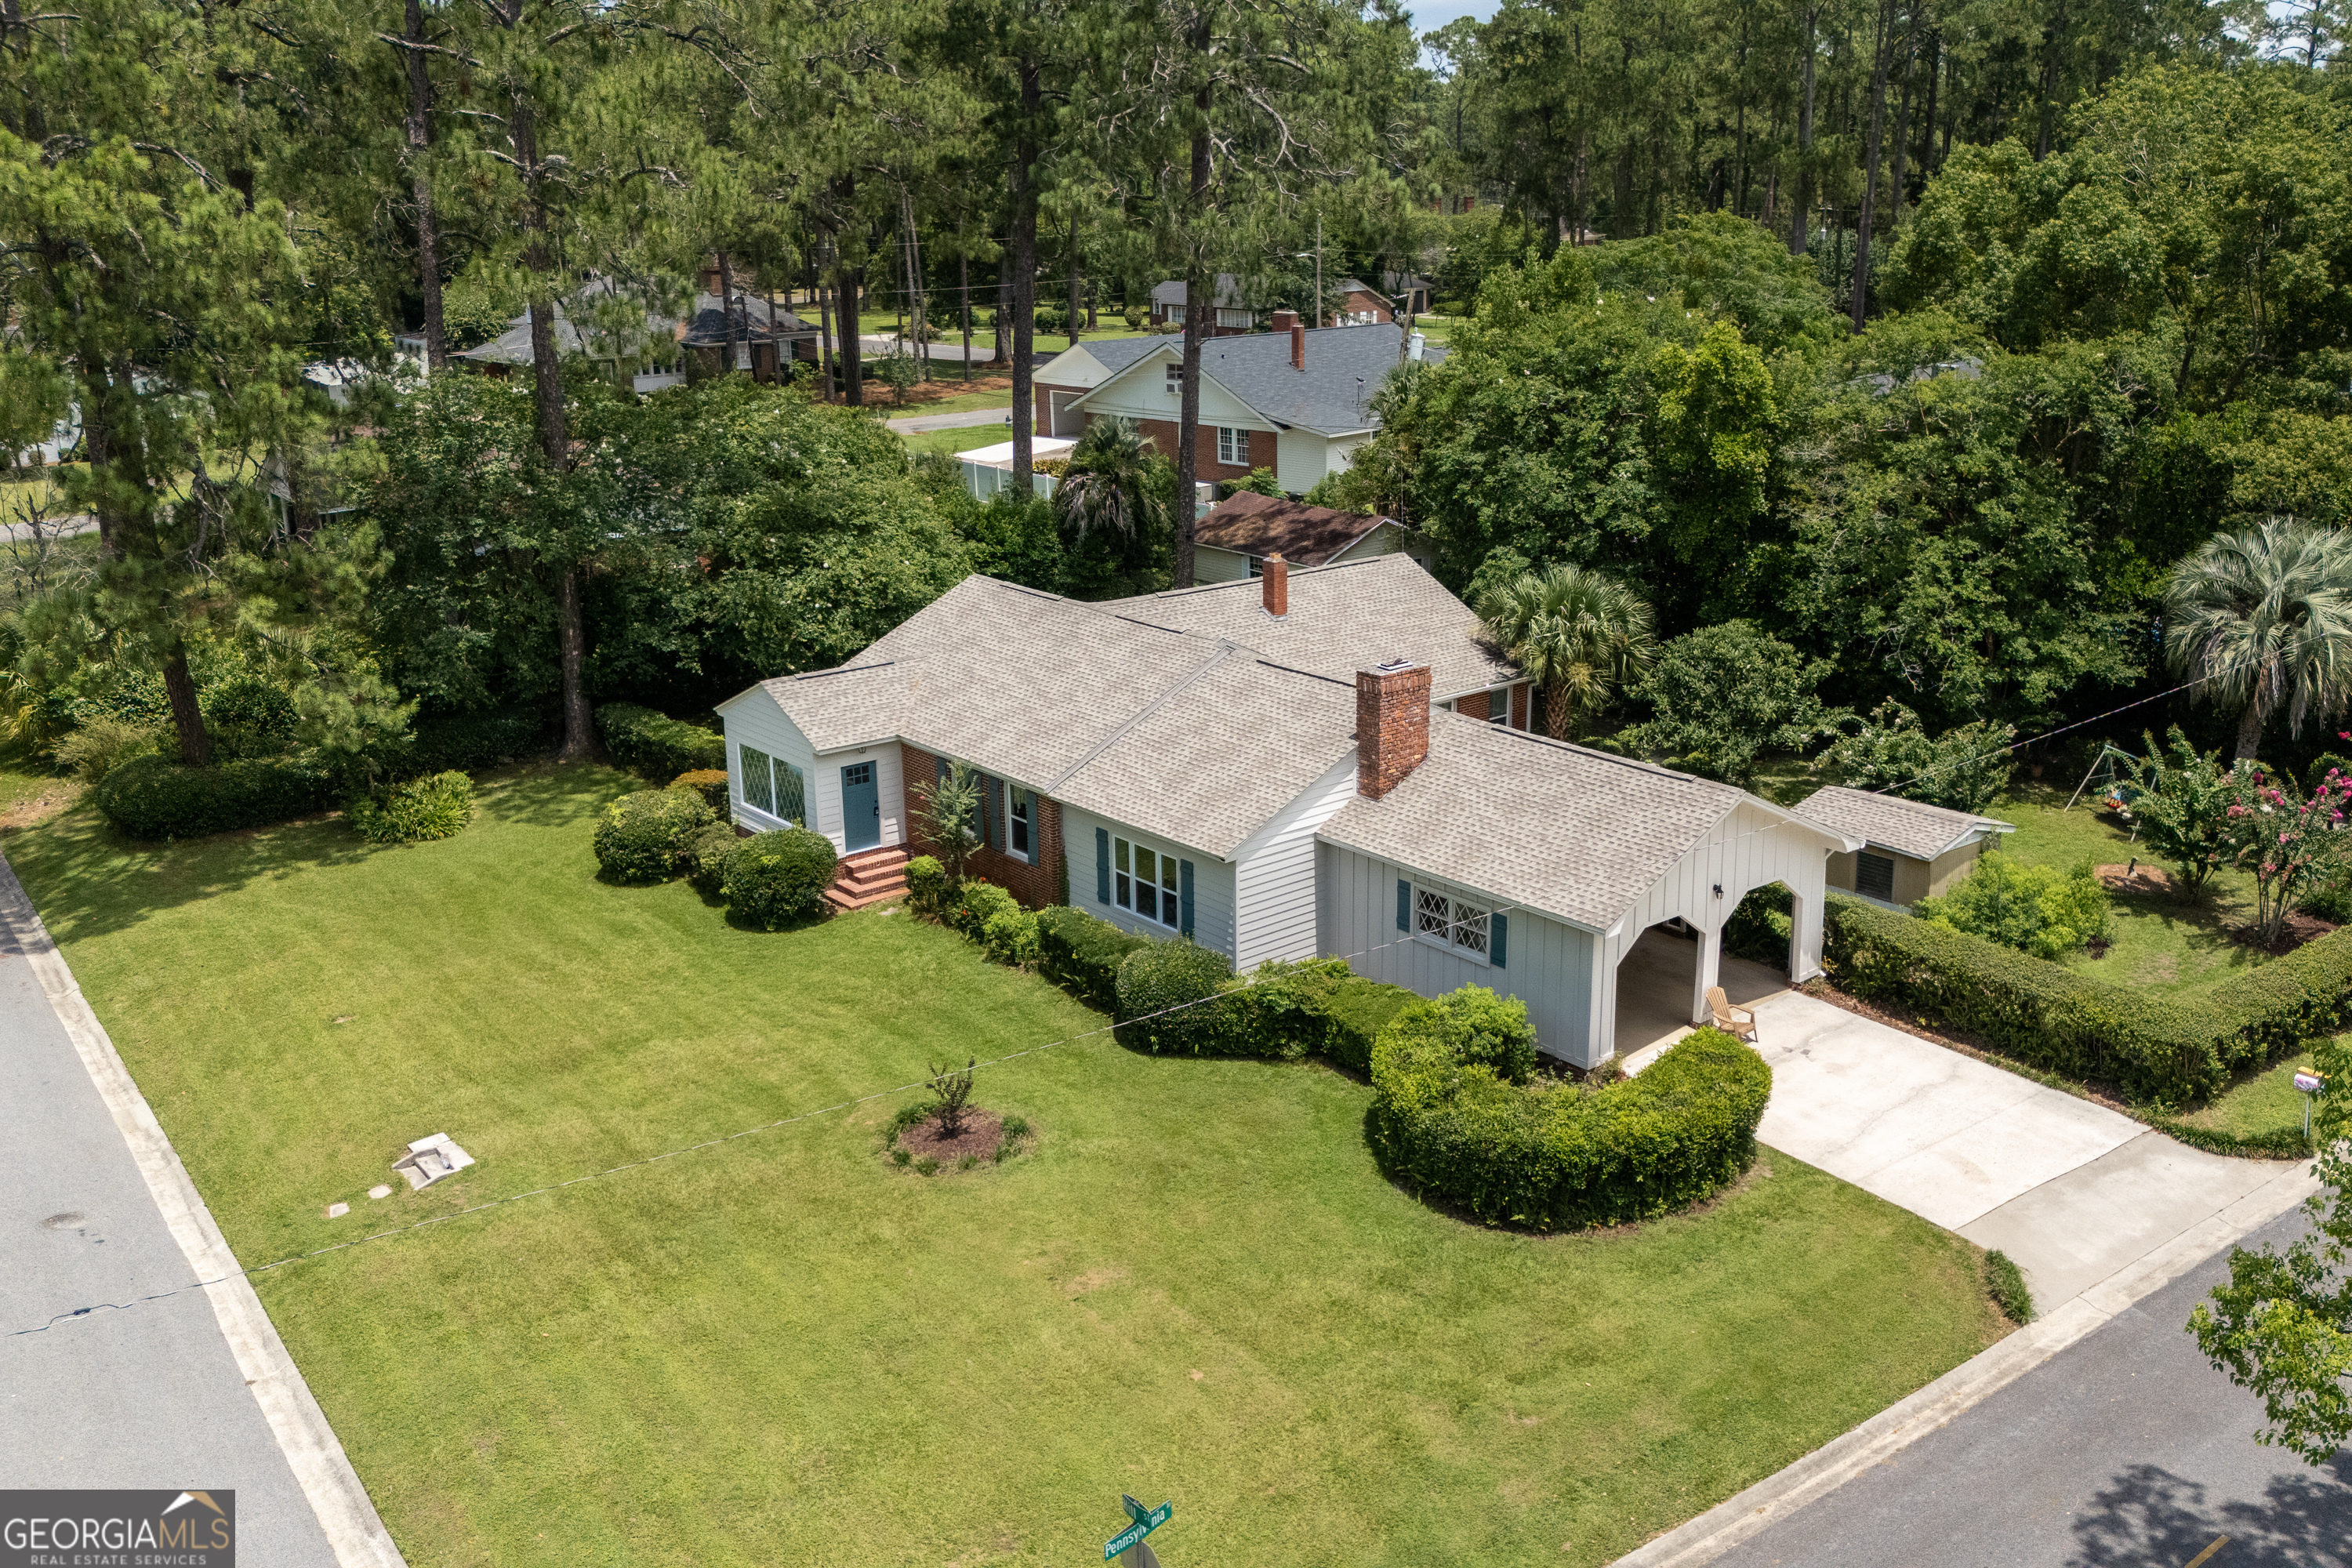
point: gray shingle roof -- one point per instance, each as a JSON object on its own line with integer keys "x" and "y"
{"x": 1544, "y": 825}
{"x": 1907, "y": 826}
{"x": 1343, "y": 619}
{"x": 760, "y": 321}
{"x": 1345, "y": 366}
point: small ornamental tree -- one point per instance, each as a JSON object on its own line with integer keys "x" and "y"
{"x": 953, "y": 1087}
{"x": 2290, "y": 846}
{"x": 2183, "y": 809}
{"x": 947, "y": 817}
{"x": 1963, "y": 769}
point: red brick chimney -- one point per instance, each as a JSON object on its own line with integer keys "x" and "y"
{"x": 1276, "y": 585}
{"x": 1287, "y": 321}
{"x": 1391, "y": 724}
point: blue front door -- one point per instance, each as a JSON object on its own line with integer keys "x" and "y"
{"x": 861, "y": 808}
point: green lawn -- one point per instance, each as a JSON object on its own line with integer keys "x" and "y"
{"x": 2265, "y": 1101}
{"x": 2162, "y": 944}
{"x": 963, "y": 441}
{"x": 785, "y": 1349}
{"x": 958, "y": 403}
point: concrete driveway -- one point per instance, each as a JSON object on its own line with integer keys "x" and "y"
{"x": 2073, "y": 1191}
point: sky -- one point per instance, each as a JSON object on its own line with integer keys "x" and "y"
{"x": 1435, "y": 14}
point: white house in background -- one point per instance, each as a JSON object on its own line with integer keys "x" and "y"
{"x": 1236, "y": 536}
{"x": 1909, "y": 850}
{"x": 1293, "y": 401}
{"x": 1279, "y": 769}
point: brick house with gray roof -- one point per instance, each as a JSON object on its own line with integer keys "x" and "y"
{"x": 1327, "y": 762}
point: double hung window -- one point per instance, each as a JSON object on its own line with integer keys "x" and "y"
{"x": 759, "y": 786}
{"x": 1498, "y": 707}
{"x": 1020, "y": 836}
{"x": 1240, "y": 320}
{"x": 1233, "y": 445}
{"x": 1144, "y": 881}
{"x": 1452, "y": 924}
{"x": 1176, "y": 314}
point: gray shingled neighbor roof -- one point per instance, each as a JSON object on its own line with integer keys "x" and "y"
{"x": 1332, "y": 396}
{"x": 1343, "y": 619}
{"x": 1907, "y": 826}
{"x": 1542, "y": 823}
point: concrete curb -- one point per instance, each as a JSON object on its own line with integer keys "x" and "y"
{"x": 1900, "y": 1425}
{"x": 311, "y": 1449}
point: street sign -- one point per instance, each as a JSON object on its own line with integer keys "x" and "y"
{"x": 1146, "y": 1520}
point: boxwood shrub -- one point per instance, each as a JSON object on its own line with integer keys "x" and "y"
{"x": 927, "y": 885}
{"x": 2158, "y": 1052}
{"x": 435, "y": 806}
{"x": 1161, "y": 975}
{"x": 644, "y": 837}
{"x": 1074, "y": 950}
{"x": 656, "y": 745}
{"x": 152, "y": 797}
{"x": 1552, "y": 1156}
{"x": 974, "y": 905}
{"x": 706, "y": 858}
{"x": 711, "y": 783}
{"x": 776, "y": 878}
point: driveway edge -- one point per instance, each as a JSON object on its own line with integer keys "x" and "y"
{"x": 1900, "y": 1425}
{"x": 337, "y": 1496}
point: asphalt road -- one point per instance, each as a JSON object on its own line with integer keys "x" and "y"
{"x": 147, "y": 1397}
{"x": 2126, "y": 1448}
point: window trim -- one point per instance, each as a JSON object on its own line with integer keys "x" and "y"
{"x": 1233, "y": 445}
{"x": 1481, "y": 955}
{"x": 765, "y": 800}
{"x": 1020, "y": 815}
{"x": 1168, "y": 892}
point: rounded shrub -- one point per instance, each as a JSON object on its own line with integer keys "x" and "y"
{"x": 1475, "y": 1027}
{"x": 431, "y": 807}
{"x": 773, "y": 878}
{"x": 975, "y": 904}
{"x": 1552, "y": 1156}
{"x": 1166, "y": 976}
{"x": 1010, "y": 937}
{"x": 643, "y": 837}
{"x": 711, "y": 783}
{"x": 927, "y": 885}
{"x": 706, "y": 858}
{"x": 152, "y": 797}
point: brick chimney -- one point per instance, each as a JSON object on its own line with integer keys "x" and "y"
{"x": 1391, "y": 724}
{"x": 1288, "y": 321}
{"x": 1276, "y": 585}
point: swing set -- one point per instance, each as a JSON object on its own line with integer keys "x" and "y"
{"x": 2116, "y": 773}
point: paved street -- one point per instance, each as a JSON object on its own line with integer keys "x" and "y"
{"x": 148, "y": 1397}
{"x": 2126, "y": 1448}
{"x": 969, "y": 419}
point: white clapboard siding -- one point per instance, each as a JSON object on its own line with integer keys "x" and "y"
{"x": 1212, "y": 881}
{"x": 1273, "y": 875}
{"x": 1547, "y": 964}
{"x": 1749, "y": 847}
{"x": 753, "y": 719}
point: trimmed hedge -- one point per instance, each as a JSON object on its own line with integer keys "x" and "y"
{"x": 1074, "y": 950}
{"x": 2158, "y": 1052}
{"x": 927, "y": 885}
{"x": 776, "y": 878}
{"x": 1552, "y": 1156}
{"x": 466, "y": 742}
{"x": 1760, "y": 928}
{"x": 152, "y": 797}
{"x": 1278, "y": 1012}
{"x": 435, "y": 806}
{"x": 711, "y": 783}
{"x": 644, "y": 837}
{"x": 656, "y": 744}
{"x": 1163, "y": 975}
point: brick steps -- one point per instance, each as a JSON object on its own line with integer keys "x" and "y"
{"x": 868, "y": 877}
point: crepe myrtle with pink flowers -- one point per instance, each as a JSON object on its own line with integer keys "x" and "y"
{"x": 2291, "y": 843}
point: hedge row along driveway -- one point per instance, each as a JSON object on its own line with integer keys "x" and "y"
{"x": 1198, "y": 1285}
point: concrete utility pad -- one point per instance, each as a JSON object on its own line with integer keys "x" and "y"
{"x": 1940, "y": 1133}
{"x": 2071, "y": 1233}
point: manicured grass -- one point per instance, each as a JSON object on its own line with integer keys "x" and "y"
{"x": 2262, "y": 1101}
{"x": 2162, "y": 944}
{"x": 956, "y": 403}
{"x": 785, "y": 1349}
{"x": 963, "y": 441}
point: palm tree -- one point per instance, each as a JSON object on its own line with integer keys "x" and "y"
{"x": 1109, "y": 482}
{"x": 1583, "y": 634}
{"x": 2263, "y": 616}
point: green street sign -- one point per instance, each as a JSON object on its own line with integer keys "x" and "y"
{"x": 1146, "y": 1522}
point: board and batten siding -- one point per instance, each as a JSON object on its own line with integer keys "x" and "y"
{"x": 1548, "y": 964}
{"x": 1274, "y": 874}
{"x": 1749, "y": 847}
{"x": 1212, "y": 881}
{"x": 756, "y": 722}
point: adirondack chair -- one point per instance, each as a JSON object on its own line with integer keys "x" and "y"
{"x": 1737, "y": 1022}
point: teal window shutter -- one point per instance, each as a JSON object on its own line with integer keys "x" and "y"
{"x": 1497, "y": 939}
{"x": 1184, "y": 897}
{"x": 1102, "y": 865}
{"x": 1404, "y": 904}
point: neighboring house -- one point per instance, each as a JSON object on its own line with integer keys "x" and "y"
{"x": 1168, "y": 304}
{"x": 674, "y": 351}
{"x": 987, "y": 470}
{"x": 1294, "y": 401}
{"x": 1411, "y": 291}
{"x": 1253, "y": 764}
{"x": 1909, "y": 850}
{"x": 1360, "y": 305}
{"x": 1240, "y": 532}
{"x": 765, "y": 335}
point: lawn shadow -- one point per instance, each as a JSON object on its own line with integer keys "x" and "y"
{"x": 2147, "y": 1515}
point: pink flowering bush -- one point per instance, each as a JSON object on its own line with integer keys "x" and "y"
{"x": 2292, "y": 844}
